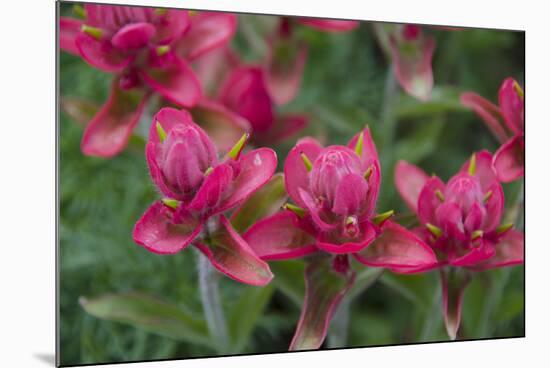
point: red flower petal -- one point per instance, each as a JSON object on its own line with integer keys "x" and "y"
{"x": 368, "y": 234}
{"x": 207, "y": 31}
{"x": 484, "y": 251}
{"x": 171, "y": 26}
{"x": 398, "y": 248}
{"x": 509, "y": 251}
{"x": 284, "y": 69}
{"x": 409, "y": 181}
{"x": 133, "y": 36}
{"x": 213, "y": 190}
{"x": 296, "y": 174}
{"x": 279, "y": 237}
{"x": 484, "y": 169}
{"x": 512, "y": 106}
{"x": 256, "y": 168}
{"x": 488, "y": 112}
{"x": 351, "y": 194}
{"x": 428, "y": 201}
{"x": 413, "y": 67}
{"x": 101, "y": 54}
{"x": 325, "y": 288}
{"x": 157, "y": 234}
{"x": 231, "y": 255}
{"x": 108, "y": 132}
{"x": 224, "y": 127}
{"x": 509, "y": 160}
{"x": 329, "y": 25}
{"x": 69, "y": 28}
{"x": 177, "y": 82}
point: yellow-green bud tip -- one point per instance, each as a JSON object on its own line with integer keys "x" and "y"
{"x": 472, "y": 166}
{"x": 504, "y": 228}
{"x": 518, "y": 89}
{"x": 381, "y": 218}
{"x": 172, "y": 203}
{"x": 359, "y": 144}
{"x": 208, "y": 171}
{"x": 235, "y": 152}
{"x": 161, "y": 132}
{"x": 437, "y": 232}
{"x": 162, "y": 50}
{"x": 439, "y": 195}
{"x": 368, "y": 173}
{"x": 79, "y": 11}
{"x": 487, "y": 196}
{"x": 477, "y": 234}
{"x": 297, "y": 210}
{"x": 94, "y": 32}
{"x": 307, "y": 162}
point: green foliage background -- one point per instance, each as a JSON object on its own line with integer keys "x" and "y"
{"x": 345, "y": 86}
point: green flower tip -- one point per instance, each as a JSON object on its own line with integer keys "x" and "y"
{"x": 300, "y": 212}
{"x": 307, "y": 162}
{"x": 437, "y": 232}
{"x": 235, "y": 152}
{"x": 172, "y": 203}
{"x": 472, "y": 166}
{"x": 161, "y": 132}
{"x": 162, "y": 50}
{"x": 359, "y": 144}
{"x": 94, "y": 32}
{"x": 381, "y": 218}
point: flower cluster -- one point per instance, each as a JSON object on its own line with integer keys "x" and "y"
{"x": 210, "y": 105}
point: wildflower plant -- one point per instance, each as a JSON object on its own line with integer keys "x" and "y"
{"x": 255, "y": 198}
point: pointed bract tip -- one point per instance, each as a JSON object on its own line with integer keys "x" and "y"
{"x": 235, "y": 152}
{"x": 368, "y": 173}
{"x": 160, "y": 11}
{"x": 437, "y": 232}
{"x": 383, "y": 217}
{"x": 161, "y": 132}
{"x": 94, "y": 32}
{"x": 359, "y": 144}
{"x": 79, "y": 11}
{"x": 439, "y": 195}
{"x": 170, "y": 202}
{"x": 162, "y": 50}
{"x": 477, "y": 234}
{"x": 518, "y": 89}
{"x": 300, "y": 212}
{"x": 472, "y": 166}
{"x": 307, "y": 162}
{"x": 487, "y": 196}
{"x": 504, "y": 228}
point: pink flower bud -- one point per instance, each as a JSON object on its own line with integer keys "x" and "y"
{"x": 184, "y": 157}
{"x": 328, "y": 171}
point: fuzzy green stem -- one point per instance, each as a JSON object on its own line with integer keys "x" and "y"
{"x": 211, "y": 303}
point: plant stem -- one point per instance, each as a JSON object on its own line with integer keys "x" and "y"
{"x": 338, "y": 334}
{"x": 211, "y": 303}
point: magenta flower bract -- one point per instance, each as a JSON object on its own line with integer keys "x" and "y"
{"x": 506, "y": 121}
{"x": 197, "y": 186}
{"x": 335, "y": 190}
{"x": 245, "y": 92}
{"x": 148, "y": 49}
{"x": 461, "y": 222}
{"x": 412, "y": 54}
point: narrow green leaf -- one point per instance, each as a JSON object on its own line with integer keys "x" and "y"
{"x": 266, "y": 201}
{"x": 244, "y": 315}
{"x": 289, "y": 279}
{"x": 149, "y": 314}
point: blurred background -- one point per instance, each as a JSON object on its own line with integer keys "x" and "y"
{"x": 347, "y": 83}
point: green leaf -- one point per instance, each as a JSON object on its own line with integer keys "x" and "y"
{"x": 289, "y": 279}
{"x": 244, "y": 315}
{"x": 444, "y": 99}
{"x": 149, "y": 314}
{"x": 266, "y": 201}
{"x": 365, "y": 278}
{"x": 417, "y": 288}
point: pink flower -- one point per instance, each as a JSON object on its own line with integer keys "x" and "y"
{"x": 461, "y": 222}
{"x": 335, "y": 190}
{"x": 245, "y": 92}
{"x": 506, "y": 121}
{"x": 148, "y": 50}
{"x": 197, "y": 187}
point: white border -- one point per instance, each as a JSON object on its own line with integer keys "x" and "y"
{"x": 28, "y": 182}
